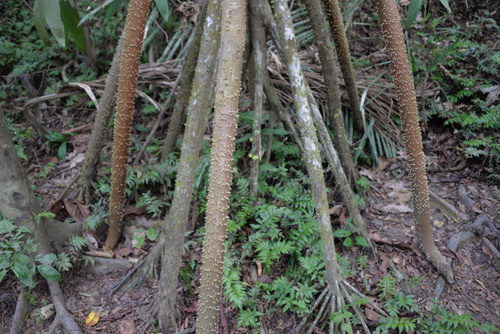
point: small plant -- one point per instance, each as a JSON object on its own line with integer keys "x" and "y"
{"x": 350, "y": 239}
{"x": 15, "y": 255}
{"x": 99, "y": 215}
{"x": 406, "y": 315}
{"x": 46, "y": 170}
{"x": 387, "y": 286}
{"x": 154, "y": 206}
{"x": 60, "y": 141}
{"x": 139, "y": 236}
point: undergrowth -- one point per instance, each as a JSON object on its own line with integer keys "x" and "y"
{"x": 463, "y": 61}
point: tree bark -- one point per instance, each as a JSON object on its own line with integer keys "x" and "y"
{"x": 19, "y": 204}
{"x": 258, "y": 35}
{"x": 403, "y": 80}
{"x": 332, "y": 9}
{"x": 226, "y": 113}
{"x": 307, "y": 130}
{"x": 100, "y": 128}
{"x": 328, "y": 63}
{"x": 199, "y": 110}
{"x": 127, "y": 82}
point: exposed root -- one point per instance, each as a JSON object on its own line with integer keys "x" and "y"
{"x": 492, "y": 247}
{"x": 117, "y": 286}
{"x": 55, "y": 324}
{"x": 473, "y": 231}
{"x": 153, "y": 313}
{"x": 464, "y": 197}
{"x": 446, "y": 207}
{"x": 146, "y": 267}
{"x": 336, "y": 302}
{"x": 63, "y": 314}
{"x": 16, "y": 326}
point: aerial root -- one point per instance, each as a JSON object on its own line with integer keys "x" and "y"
{"x": 336, "y": 303}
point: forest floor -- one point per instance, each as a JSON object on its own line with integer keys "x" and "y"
{"x": 388, "y": 214}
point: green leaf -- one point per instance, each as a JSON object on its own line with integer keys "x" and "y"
{"x": 446, "y": 5}
{"x": 70, "y": 19}
{"x": 348, "y": 242}
{"x": 277, "y": 132}
{"x": 163, "y": 9}
{"x": 49, "y": 272}
{"x": 95, "y": 10}
{"x": 346, "y": 327}
{"x": 61, "y": 151}
{"x": 6, "y": 226}
{"x": 48, "y": 258}
{"x": 360, "y": 241}
{"x": 413, "y": 10}
{"x": 244, "y": 138}
{"x": 55, "y": 136}
{"x": 2, "y": 274}
{"x": 40, "y": 24}
{"x": 24, "y": 269}
{"x": 336, "y": 317}
{"x": 152, "y": 233}
{"x": 54, "y": 21}
{"x": 342, "y": 233}
{"x": 113, "y": 8}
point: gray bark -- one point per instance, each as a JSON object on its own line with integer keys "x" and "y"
{"x": 171, "y": 241}
{"x": 100, "y": 128}
{"x": 328, "y": 63}
{"x": 19, "y": 203}
{"x": 258, "y": 35}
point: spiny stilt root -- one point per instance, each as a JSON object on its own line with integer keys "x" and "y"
{"x": 337, "y": 300}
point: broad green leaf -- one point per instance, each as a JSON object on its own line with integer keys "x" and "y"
{"x": 152, "y": 233}
{"x": 5, "y": 261}
{"x": 348, "y": 242}
{"x": 40, "y": 24}
{"x": 360, "y": 241}
{"x": 113, "y": 8}
{"x": 61, "y": 152}
{"x": 54, "y": 21}
{"x": 342, "y": 233}
{"x": 24, "y": 269}
{"x": 413, "y": 10}
{"x": 346, "y": 327}
{"x": 49, "y": 272}
{"x": 163, "y": 9}
{"x": 70, "y": 18}
{"x": 6, "y": 226}
{"x": 48, "y": 258}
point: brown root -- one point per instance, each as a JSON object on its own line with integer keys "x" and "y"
{"x": 16, "y": 326}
